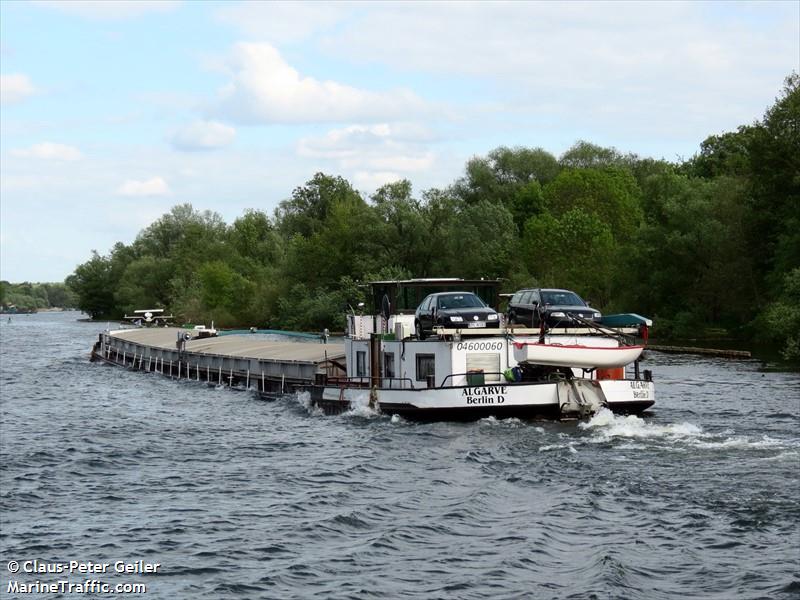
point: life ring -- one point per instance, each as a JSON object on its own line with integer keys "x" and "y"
{"x": 386, "y": 306}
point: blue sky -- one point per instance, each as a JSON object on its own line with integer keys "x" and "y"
{"x": 113, "y": 112}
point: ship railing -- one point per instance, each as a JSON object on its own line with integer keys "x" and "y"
{"x": 365, "y": 381}
{"x": 396, "y": 383}
{"x": 475, "y": 378}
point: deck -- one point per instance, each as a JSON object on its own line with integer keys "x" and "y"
{"x": 246, "y": 359}
{"x": 241, "y": 346}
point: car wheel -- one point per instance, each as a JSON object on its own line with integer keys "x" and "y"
{"x": 418, "y": 330}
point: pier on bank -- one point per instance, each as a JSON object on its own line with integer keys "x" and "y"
{"x": 271, "y": 367}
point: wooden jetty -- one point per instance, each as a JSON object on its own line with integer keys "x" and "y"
{"x": 695, "y": 350}
{"x": 234, "y": 360}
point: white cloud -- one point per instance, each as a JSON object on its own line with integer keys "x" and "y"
{"x": 279, "y": 22}
{"x": 637, "y": 68}
{"x": 109, "y": 9}
{"x": 373, "y": 154}
{"x": 49, "y": 151}
{"x": 372, "y": 180}
{"x": 381, "y": 146}
{"x": 15, "y": 87}
{"x": 203, "y": 135}
{"x": 155, "y": 186}
{"x": 266, "y": 89}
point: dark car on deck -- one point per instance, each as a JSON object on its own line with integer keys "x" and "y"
{"x": 528, "y": 307}
{"x": 453, "y": 310}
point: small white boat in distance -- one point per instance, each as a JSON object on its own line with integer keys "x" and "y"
{"x": 205, "y": 332}
{"x": 584, "y": 357}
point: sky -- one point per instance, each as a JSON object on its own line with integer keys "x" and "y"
{"x": 113, "y": 112}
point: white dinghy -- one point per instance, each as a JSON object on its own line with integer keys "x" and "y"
{"x": 576, "y": 355}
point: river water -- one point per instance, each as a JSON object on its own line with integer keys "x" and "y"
{"x": 237, "y": 497}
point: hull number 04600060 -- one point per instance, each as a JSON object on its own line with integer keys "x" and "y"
{"x": 479, "y": 346}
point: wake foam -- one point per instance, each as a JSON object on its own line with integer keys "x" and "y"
{"x": 359, "y": 407}
{"x": 304, "y": 400}
{"x": 634, "y": 431}
{"x": 608, "y": 425}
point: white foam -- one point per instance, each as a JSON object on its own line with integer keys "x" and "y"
{"x": 552, "y": 447}
{"x": 359, "y": 407}
{"x": 495, "y": 422}
{"x": 607, "y": 425}
{"x": 765, "y": 443}
{"x": 304, "y": 400}
{"x": 570, "y": 446}
{"x": 788, "y": 455}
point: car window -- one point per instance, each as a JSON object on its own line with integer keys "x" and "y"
{"x": 517, "y": 298}
{"x": 562, "y": 299}
{"x": 425, "y": 303}
{"x": 526, "y": 298}
{"x": 446, "y": 301}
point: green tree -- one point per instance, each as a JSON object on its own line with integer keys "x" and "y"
{"x": 512, "y": 177}
{"x": 310, "y": 205}
{"x": 182, "y": 227}
{"x": 574, "y": 250}
{"x": 611, "y": 194}
{"x": 404, "y": 237}
{"x": 687, "y": 259}
{"x": 483, "y": 241}
{"x": 348, "y": 245}
{"x": 780, "y": 321}
{"x": 585, "y": 155}
{"x": 253, "y": 236}
{"x": 59, "y": 295}
{"x": 94, "y": 285}
{"x": 224, "y": 293}
{"x": 774, "y": 152}
{"x": 145, "y": 283}
{"x": 726, "y": 154}
{"x": 440, "y": 210}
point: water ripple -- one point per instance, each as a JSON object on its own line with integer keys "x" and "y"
{"x": 237, "y": 497}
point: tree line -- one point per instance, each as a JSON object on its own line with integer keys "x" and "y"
{"x": 705, "y": 244}
{"x": 30, "y": 297}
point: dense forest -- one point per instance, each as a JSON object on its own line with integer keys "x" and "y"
{"x": 29, "y": 297}
{"x": 708, "y": 244}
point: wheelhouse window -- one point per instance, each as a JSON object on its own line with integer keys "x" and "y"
{"x": 426, "y": 365}
{"x": 388, "y": 364}
{"x": 361, "y": 363}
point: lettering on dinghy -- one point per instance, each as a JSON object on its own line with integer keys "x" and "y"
{"x": 489, "y": 394}
{"x": 641, "y": 390}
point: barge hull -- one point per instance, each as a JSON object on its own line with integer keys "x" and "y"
{"x": 536, "y": 400}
